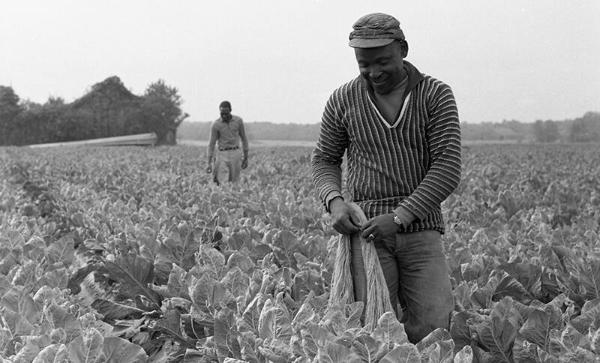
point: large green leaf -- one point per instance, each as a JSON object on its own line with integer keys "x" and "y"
{"x": 259, "y": 250}
{"x": 465, "y": 355}
{"x": 437, "y": 346}
{"x": 54, "y": 353}
{"x": 320, "y": 335}
{"x": 236, "y": 281}
{"x": 20, "y": 311}
{"x": 220, "y": 296}
{"x": 113, "y": 311}
{"x": 226, "y": 336}
{"x": 201, "y": 290}
{"x": 334, "y": 320}
{"x": 178, "y": 250}
{"x": 35, "y": 248}
{"x": 403, "y": 353}
{"x": 309, "y": 343}
{"x": 134, "y": 273}
{"x": 118, "y": 350}
{"x": 62, "y": 318}
{"x": 247, "y": 341}
{"x": 498, "y": 333}
{"x": 482, "y": 296}
{"x": 536, "y": 328}
{"x": 389, "y": 330}
{"x": 272, "y": 356}
{"x": 510, "y": 286}
{"x": 369, "y": 349}
{"x": 212, "y": 259}
{"x": 176, "y": 282}
{"x": 462, "y": 295}
{"x": 28, "y": 351}
{"x": 587, "y": 271}
{"x": 239, "y": 239}
{"x": 305, "y": 281}
{"x": 5, "y": 284}
{"x": 196, "y": 326}
{"x": 61, "y": 250}
{"x": 240, "y": 260}
{"x": 589, "y": 317}
{"x": 9, "y": 259}
{"x": 354, "y": 312}
{"x": 267, "y": 320}
{"x": 473, "y": 269}
{"x": 525, "y": 351}
{"x": 306, "y": 314}
{"x": 339, "y": 353}
{"x": 571, "y": 338}
{"x": 58, "y": 277}
{"x": 170, "y": 325}
{"x": 285, "y": 239}
{"x": 527, "y": 274}
{"x": 87, "y": 348}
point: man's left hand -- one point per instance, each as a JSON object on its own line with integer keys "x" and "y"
{"x": 244, "y": 163}
{"x": 379, "y": 228}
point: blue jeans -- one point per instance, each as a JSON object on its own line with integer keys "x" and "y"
{"x": 417, "y": 278}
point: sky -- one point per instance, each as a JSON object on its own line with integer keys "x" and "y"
{"x": 279, "y": 60}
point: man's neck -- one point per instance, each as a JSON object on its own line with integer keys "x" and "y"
{"x": 390, "y": 104}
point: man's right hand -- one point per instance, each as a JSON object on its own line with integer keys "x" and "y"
{"x": 345, "y": 221}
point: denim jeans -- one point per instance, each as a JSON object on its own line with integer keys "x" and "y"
{"x": 417, "y": 278}
{"x": 232, "y": 159}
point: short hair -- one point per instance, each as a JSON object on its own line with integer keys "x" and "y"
{"x": 225, "y": 104}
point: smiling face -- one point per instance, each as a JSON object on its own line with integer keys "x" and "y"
{"x": 383, "y": 67}
{"x": 225, "y": 112}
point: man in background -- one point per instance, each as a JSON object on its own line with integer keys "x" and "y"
{"x": 227, "y": 131}
{"x": 400, "y": 131}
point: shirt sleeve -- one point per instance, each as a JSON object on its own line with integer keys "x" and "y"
{"x": 443, "y": 136}
{"x": 214, "y": 135}
{"x": 327, "y": 157}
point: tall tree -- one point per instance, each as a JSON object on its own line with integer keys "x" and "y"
{"x": 9, "y": 110}
{"x": 162, "y": 108}
{"x": 586, "y": 128}
{"x": 546, "y": 131}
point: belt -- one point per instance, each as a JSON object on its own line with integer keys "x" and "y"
{"x": 228, "y": 148}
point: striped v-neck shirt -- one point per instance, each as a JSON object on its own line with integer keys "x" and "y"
{"x": 413, "y": 163}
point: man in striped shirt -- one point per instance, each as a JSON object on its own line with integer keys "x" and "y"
{"x": 400, "y": 131}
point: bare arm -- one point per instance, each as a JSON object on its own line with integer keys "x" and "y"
{"x": 242, "y": 133}
{"x": 214, "y": 135}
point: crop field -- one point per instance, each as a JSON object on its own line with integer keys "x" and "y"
{"x": 131, "y": 254}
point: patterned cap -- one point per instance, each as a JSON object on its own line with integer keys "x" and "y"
{"x": 375, "y": 30}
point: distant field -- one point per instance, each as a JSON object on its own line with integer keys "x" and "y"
{"x": 297, "y": 143}
{"x": 253, "y": 143}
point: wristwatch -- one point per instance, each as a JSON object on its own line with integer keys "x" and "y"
{"x": 398, "y": 221}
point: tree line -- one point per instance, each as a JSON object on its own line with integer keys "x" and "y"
{"x": 582, "y": 129}
{"x": 108, "y": 109}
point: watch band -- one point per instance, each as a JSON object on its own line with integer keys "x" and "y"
{"x": 398, "y": 221}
